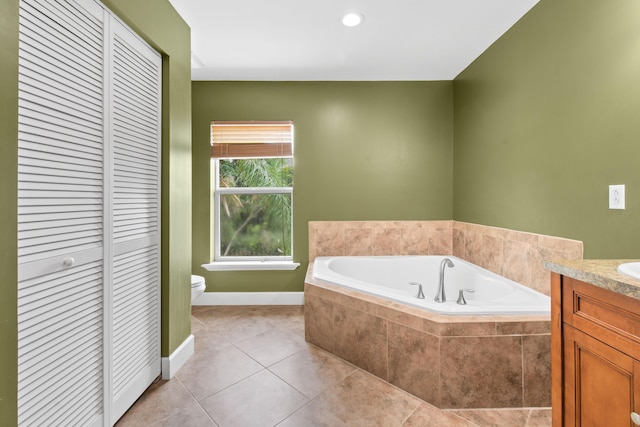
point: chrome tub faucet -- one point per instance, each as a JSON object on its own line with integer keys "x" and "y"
{"x": 440, "y": 296}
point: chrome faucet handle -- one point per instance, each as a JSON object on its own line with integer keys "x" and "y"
{"x": 420, "y": 293}
{"x": 461, "y": 299}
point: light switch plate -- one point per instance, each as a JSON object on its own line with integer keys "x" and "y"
{"x": 616, "y": 197}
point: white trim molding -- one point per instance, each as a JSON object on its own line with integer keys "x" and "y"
{"x": 250, "y": 265}
{"x": 250, "y": 298}
{"x": 171, "y": 364}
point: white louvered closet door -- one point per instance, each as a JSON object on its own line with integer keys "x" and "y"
{"x": 88, "y": 215}
{"x": 60, "y": 215}
{"x": 135, "y": 102}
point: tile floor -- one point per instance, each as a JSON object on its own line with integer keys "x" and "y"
{"x": 252, "y": 367}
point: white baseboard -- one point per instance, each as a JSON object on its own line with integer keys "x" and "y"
{"x": 250, "y": 298}
{"x": 171, "y": 364}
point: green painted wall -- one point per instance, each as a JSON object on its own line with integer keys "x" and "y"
{"x": 363, "y": 151}
{"x": 162, "y": 27}
{"x": 8, "y": 211}
{"x": 547, "y": 118}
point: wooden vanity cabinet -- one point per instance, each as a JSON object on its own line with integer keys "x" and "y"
{"x": 596, "y": 355}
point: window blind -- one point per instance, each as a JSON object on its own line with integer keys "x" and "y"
{"x": 251, "y": 139}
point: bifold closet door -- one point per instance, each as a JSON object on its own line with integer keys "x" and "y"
{"x": 60, "y": 214}
{"x": 88, "y": 214}
{"x": 135, "y": 185}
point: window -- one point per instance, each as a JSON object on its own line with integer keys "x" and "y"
{"x": 252, "y": 165}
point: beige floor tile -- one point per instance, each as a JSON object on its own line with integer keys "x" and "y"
{"x": 280, "y": 311}
{"x": 260, "y": 400}
{"x": 539, "y": 418}
{"x": 291, "y": 318}
{"x": 312, "y": 416}
{"x": 363, "y": 400}
{"x": 312, "y": 370}
{"x": 242, "y": 329}
{"x": 495, "y": 417}
{"x": 296, "y": 326}
{"x": 207, "y": 339}
{"x": 185, "y": 418}
{"x": 211, "y": 315}
{"x": 196, "y": 324}
{"x": 429, "y": 416}
{"x": 210, "y": 371}
{"x": 163, "y": 404}
{"x": 272, "y": 346}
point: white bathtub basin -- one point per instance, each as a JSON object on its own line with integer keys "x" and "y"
{"x": 630, "y": 269}
{"x": 389, "y": 277}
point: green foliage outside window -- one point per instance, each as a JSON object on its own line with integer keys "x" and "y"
{"x": 256, "y": 224}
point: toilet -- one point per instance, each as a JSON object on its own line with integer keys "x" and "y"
{"x": 197, "y": 286}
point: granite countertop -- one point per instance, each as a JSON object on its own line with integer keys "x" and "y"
{"x": 599, "y": 272}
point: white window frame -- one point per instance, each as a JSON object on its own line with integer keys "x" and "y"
{"x": 284, "y": 262}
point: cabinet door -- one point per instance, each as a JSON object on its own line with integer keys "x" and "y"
{"x": 600, "y": 382}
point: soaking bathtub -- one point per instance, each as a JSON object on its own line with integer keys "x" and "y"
{"x": 389, "y": 277}
{"x": 363, "y": 310}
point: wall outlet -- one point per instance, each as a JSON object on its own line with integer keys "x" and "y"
{"x": 616, "y": 197}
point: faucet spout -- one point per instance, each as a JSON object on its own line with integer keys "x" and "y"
{"x": 440, "y": 295}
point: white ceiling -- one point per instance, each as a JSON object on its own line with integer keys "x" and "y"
{"x": 305, "y": 39}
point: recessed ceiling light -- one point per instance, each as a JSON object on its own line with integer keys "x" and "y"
{"x": 352, "y": 19}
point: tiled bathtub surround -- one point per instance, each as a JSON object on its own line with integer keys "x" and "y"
{"x": 448, "y": 361}
{"x": 354, "y": 238}
{"x": 516, "y": 255}
{"x": 513, "y": 254}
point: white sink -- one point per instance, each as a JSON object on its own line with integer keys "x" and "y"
{"x": 630, "y": 269}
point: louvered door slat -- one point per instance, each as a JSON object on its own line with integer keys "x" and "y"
{"x": 65, "y": 222}
{"x": 136, "y": 110}
{"x": 68, "y": 146}
{"x": 125, "y": 180}
{"x": 62, "y": 176}
{"x": 57, "y": 119}
{"x": 138, "y": 151}
{"x": 125, "y": 170}
{"x": 82, "y": 137}
{"x": 59, "y": 162}
{"x": 131, "y": 223}
{"x": 59, "y": 218}
{"x": 129, "y": 167}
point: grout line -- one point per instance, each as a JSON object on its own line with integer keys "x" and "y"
{"x": 522, "y": 370}
{"x": 411, "y": 414}
{"x": 195, "y": 400}
{"x": 526, "y": 423}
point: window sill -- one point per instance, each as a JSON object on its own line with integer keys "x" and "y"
{"x": 250, "y": 265}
